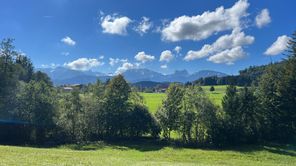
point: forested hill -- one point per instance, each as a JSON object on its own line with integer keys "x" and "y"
{"x": 246, "y": 77}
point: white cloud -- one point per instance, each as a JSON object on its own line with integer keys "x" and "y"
{"x": 278, "y": 46}
{"x": 114, "y": 61}
{"x": 228, "y": 56}
{"x": 115, "y": 24}
{"x": 143, "y": 26}
{"x": 164, "y": 66}
{"x": 67, "y": 40}
{"x": 65, "y": 53}
{"x": 125, "y": 66}
{"x": 177, "y": 49}
{"x": 52, "y": 65}
{"x": 83, "y": 64}
{"x": 202, "y": 26}
{"x": 166, "y": 56}
{"x": 263, "y": 18}
{"x": 101, "y": 57}
{"x": 236, "y": 38}
{"x": 142, "y": 57}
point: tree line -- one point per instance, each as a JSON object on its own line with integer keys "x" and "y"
{"x": 265, "y": 111}
{"x": 246, "y": 77}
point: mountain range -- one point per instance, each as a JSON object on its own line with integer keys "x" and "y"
{"x": 62, "y": 75}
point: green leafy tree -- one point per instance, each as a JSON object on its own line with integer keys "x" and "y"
{"x": 37, "y": 106}
{"x": 25, "y": 67}
{"x": 70, "y": 116}
{"x": 170, "y": 113}
{"x": 8, "y": 77}
{"x": 116, "y": 106}
{"x": 142, "y": 122}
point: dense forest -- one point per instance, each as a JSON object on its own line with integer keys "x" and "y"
{"x": 33, "y": 111}
{"x": 246, "y": 77}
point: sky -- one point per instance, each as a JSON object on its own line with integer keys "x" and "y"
{"x": 113, "y": 36}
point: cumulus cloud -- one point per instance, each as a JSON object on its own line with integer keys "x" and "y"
{"x": 164, "y": 66}
{"x": 236, "y": 38}
{"x": 278, "y": 46}
{"x": 83, "y": 64}
{"x": 166, "y": 56}
{"x": 124, "y": 67}
{"x": 101, "y": 57}
{"x": 263, "y": 18}
{"x": 144, "y": 26}
{"x": 114, "y": 24}
{"x": 67, "y": 40}
{"x": 114, "y": 61}
{"x": 202, "y": 26}
{"x": 177, "y": 49}
{"x": 142, "y": 57}
{"x": 228, "y": 56}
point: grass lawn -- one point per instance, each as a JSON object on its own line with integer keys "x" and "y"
{"x": 147, "y": 153}
{"x": 154, "y": 100}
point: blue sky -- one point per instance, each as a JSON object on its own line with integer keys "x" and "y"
{"x": 113, "y": 36}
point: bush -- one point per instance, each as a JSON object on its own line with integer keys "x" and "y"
{"x": 212, "y": 89}
{"x": 142, "y": 122}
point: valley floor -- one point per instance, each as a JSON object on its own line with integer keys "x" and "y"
{"x": 146, "y": 153}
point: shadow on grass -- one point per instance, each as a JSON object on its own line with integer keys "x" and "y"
{"x": 287, "y": 150}
{"x": 150, "y": 144}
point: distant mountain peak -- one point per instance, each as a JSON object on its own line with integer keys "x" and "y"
{"x": 62, "y": 75}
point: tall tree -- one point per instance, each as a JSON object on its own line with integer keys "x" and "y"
{"x": 8, "y": 77}
{"x": 37, "y": 106}
{"x": 170, "y": 113}
{"x": 232, "y": 120}
{"x": 70, "y": 115}
{"x": 287, "y": 91}
{"x": 269, "y": 103}
{"x": 116, "y": 106}
{"x": 249, "y": 115}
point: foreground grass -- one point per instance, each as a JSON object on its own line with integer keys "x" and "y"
{"x": 146, "y": 153}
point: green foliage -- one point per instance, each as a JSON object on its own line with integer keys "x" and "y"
{"x": 142, "y": 122}
{"x": 170, "y": 112}
{"x": 242, "y": 119}
{"x": 36, "y": 106}
{"x": 199, "y": 115}
{"x": 212, "y": 89}
{"x": 8, "y": 77}
{"x": 116, "y": 106}
{"x": 70, "y": 117}
{"x": 25, "y": 68}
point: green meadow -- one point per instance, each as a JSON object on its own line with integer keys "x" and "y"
{"x": 154, "y": 100}
{"x": 147, "y": 153}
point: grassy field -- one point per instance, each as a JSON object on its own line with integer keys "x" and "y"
{"x": 154, "y": 100}
{"x": 147, "y": 154}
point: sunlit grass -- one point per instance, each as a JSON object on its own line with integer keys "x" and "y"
{"x": 154, "y": 100}
{"x": 146, "y": 153}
